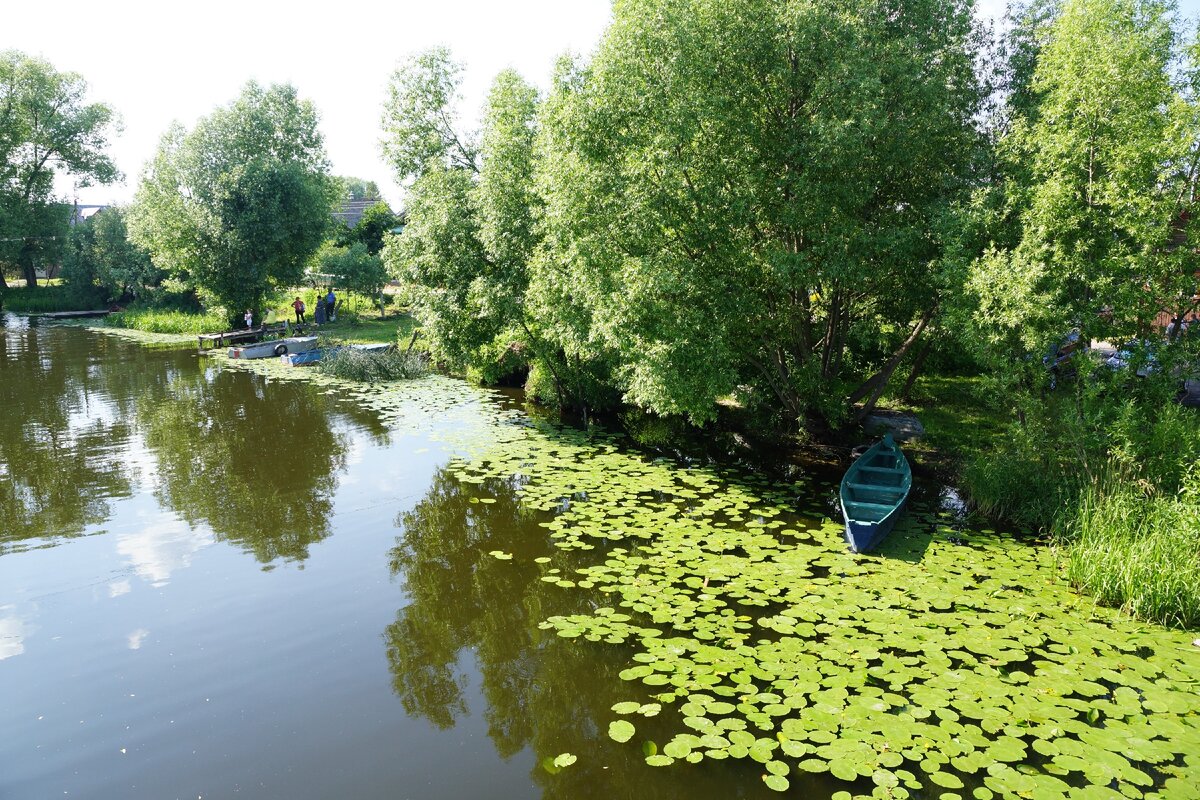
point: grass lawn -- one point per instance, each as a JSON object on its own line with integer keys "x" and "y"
{"x": 958, "y": 413}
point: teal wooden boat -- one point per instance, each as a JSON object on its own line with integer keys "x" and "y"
{"x": 874, "y": 491}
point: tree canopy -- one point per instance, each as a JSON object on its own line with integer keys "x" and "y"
{"x": 46, "y": 128}
{"x": 237, "y": 205}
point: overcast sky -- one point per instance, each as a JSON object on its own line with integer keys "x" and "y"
{"x": 162, "y": 61}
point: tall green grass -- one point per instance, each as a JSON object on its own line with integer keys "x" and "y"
{"x": 51, "y": 298}
{"x": 153, "y": 320}
{"x": 373, "y": 367}
{"x": 1139, "y": 551}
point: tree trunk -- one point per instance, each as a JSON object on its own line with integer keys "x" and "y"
{"x": 873, "y": 387}
{"x": 918, "y": 362}
{"x": 25, "y": 260}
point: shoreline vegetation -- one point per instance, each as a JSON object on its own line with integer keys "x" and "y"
{"x": 1126, "y": 544}
{"x": 791, "y": 216}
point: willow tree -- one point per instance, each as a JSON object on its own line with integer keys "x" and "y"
{"x": 471, "y": 218}
{"x": 236, "y": 206}
{"x": 746, "y": 194}
{"x": 1106, "y": 155}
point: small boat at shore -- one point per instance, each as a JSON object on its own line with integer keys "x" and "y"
{"x": 316, "y": 354}
{"x": 275, "y": 347}
{"x": 874, "y": 492}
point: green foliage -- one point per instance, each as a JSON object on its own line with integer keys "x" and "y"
{"x": 357, "y": 188}
{"x": 46, "y": 129}
{"x": 237, "y": 206}
{"x": 354, "y": 364}
{"x": 419, "y": 116}
{"x": 57, "y": 297}
{"x": 99, "y": 252}
{"x": 739, "y": 193}
{"x": 1139, "y": 551}
{"x": 154, "y": 320}
{"x": 353, "y": 267}
{"x": 1099, "y": 161}
{"x": 373, "y": 228}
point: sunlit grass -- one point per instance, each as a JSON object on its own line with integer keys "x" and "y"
{"x": 158, "y": 321}
{"x": 1139, "y": 553}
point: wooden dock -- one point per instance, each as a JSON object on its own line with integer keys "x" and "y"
{"x": 215, "y": 341}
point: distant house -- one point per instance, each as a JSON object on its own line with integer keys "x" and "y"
{"x": 351, "y": 211}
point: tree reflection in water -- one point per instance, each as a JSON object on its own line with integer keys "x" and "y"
{"x": 549, "y": 694}
{"x": 256, "y": 466}
{"x": 61, "y": 453}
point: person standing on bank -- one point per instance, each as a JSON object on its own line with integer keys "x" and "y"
{"x": 249, "y": 317}
{"x": 299, "y": 306}
{"x": 331, "y": 305}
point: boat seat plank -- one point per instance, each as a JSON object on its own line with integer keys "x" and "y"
{"x": 868, "y": 504}
{"x": 876, "y": 487}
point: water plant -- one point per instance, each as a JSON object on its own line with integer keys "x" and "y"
{"x": 366, "y": 366}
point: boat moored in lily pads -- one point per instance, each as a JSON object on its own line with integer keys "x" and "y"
{"x": 874, "y": 492}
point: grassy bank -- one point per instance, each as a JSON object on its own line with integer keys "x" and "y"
{"x": 1108, "y": 476}
{"x": 150, "y": 320}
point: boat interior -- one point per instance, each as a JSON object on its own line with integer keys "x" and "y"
{"x": 875, "y": 487}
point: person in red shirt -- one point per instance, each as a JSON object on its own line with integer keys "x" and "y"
{"x": 299, "y": 306}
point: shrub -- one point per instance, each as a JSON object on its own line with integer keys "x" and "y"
{"x": 354, "y": 364}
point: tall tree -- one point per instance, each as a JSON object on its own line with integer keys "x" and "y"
{"x": 46, "y": 128}
{"x": 100, "y": 253}
{"x": 747, "y": 193}
{"x": 1107, "y": 148}
{"x": 419, "y": 118}
{"x": 358, "y": 189}
{"x": 238, "y": 205}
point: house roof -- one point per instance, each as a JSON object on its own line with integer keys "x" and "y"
{"x": 351, "y": 211}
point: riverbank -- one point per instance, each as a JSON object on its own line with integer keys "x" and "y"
{"x": 958, "y": 657}
{"x": 1115, "y": 543}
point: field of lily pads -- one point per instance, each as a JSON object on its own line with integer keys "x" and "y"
{"x": 955, "y": 663}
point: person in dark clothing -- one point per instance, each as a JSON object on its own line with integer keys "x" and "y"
{"x": 331, "y": 305}
{"x": 299, "y": 306}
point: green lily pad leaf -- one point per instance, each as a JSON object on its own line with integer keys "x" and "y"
{"x": 776, "y": 783}
{"x": 542, "y": 560}
{"x": 621, "y": 731}
{"x": 649, "y": 748}
{"x": 564, "y": 760}
{"x": 500, "y": 554}
{"x": 628, "y": 707}
{"x": 946, "y": 779}
{"x": 660, "y": 761}
{"x": 884, "y": 778}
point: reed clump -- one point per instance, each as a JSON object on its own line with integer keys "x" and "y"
{"x": 1136, "y": 548}
{"x": 368, "y": 366}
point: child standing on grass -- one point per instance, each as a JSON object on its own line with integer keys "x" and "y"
{"x": 249, "y": 319}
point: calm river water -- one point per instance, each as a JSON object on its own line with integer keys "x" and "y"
{"x": 217, "y": 582}
{"x": 206, "y": 590}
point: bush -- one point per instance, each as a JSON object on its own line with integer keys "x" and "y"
{"x": 354, "y": 364}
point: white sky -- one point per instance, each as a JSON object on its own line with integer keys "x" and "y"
{"x": 155, "y": 62}
{"x": 161, "y": 61}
